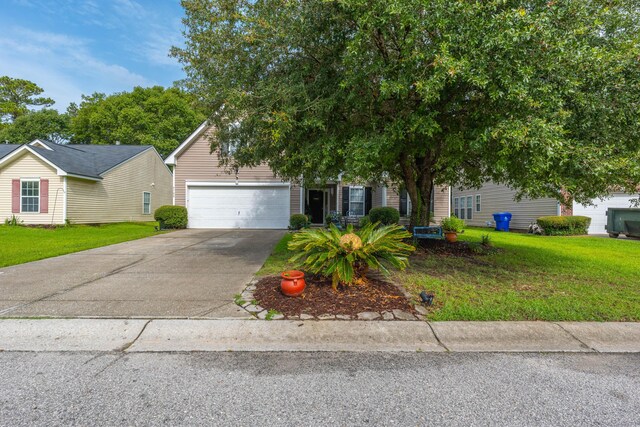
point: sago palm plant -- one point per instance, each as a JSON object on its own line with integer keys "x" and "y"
{"x": 341, "y": 256}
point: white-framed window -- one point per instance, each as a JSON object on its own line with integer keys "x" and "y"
{"x": 146, "y": 203}
{"x": 356, "y": 201}
{"x": 463, "y": 211}
{"x": 469, "y": 207}
{"x": 30, "y": 195}
{"x": 478, "y": 205}
{"x": 456, "y": 207}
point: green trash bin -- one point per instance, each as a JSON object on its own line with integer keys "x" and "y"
{"x": 623, "y": 221}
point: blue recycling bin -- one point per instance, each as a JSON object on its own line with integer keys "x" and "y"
{"x": 502, "y": 220}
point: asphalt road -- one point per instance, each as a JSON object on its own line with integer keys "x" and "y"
{"x": 318, "y": 389}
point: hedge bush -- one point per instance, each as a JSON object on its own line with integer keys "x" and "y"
{"x": 564, "y": 225}
{"x": 170, "y": 216}
{"x": 298, "y": 221}
{"x": 364, "y": 221}
{"x": 385, "y": 215}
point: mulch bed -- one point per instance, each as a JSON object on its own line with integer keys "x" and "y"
{"x": 460, "y": 249}
{"x": 319, "y": 298}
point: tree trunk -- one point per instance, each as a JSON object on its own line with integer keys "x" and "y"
{"x": 418, "y": 182}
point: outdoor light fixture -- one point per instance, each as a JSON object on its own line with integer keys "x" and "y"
{"x": 426, "y": 298}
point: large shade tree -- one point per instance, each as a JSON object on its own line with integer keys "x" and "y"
{"x": 45, "y": 123}
{"x": 17, "y": 95}
{"x": 145, "y": 116}
{"x": 538, "y": 95}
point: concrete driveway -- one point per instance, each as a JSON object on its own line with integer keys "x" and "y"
{"x": 187, "y": 273}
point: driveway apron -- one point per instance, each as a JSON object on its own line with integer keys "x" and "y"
{"x": 187, "y": 273}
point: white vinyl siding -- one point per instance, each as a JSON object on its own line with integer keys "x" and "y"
{"x": 117, "y": 197}
{"x": 25, "y": 166}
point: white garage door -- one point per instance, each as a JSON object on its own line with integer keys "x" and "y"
{"x": 230, "y": 206}
{"x": 598, "y": 213}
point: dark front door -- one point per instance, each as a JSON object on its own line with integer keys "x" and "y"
{"x": 316, "y": 202}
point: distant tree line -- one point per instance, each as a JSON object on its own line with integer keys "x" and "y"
{"x": 156, "y": 116}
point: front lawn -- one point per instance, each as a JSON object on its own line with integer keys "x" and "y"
{"x": 23, "y": 244}
{"x": 531, "y": 278}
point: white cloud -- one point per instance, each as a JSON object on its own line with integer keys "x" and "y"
{"x": 62, "y": 65}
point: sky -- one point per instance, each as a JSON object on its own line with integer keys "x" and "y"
{"x": 75, "y": 47}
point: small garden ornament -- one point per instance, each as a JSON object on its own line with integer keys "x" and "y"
{"x": 292, "y": 284}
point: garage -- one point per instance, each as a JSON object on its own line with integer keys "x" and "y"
{"x": 245, "y": 205}
{"x": 598, "y": 212}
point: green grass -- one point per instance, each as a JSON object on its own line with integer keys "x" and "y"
{"x": 533, "y": 278}
{"x": 530, "y": 278}
{"x": 23, "y": 244}
{"x": 278, "y": 261}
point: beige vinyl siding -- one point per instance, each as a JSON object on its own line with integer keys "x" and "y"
{"x": 500, "y": 198}
{"x": 30, "y": 166}
{"x": 441, "y": 197}
{"x": 393, "y": 198}
{"x": 118, "y": 197}
{"x": 441, "y": 203}
{"x": 196, "y": 163}
{"x": 376, "y": 195}
{"x": 294, "y": 199}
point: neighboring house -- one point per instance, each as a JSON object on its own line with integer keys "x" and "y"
{"x": 477, "y": 207}
{"x": 256, "y": 198}
{"x": 7, "y": 148}
{"x": 46, "y": 183}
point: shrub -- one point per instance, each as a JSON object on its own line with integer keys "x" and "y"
{"x": 14, "y": 221}
{"x": 170, "y": 216}
{"x": 345, "y": 256}
{"x": 364, "y": 221}
{"x": 452, "y": 224}
{"x": 298, "y": 221}
{"x": 564, "y": 225}
{"x": 385, "y": 215}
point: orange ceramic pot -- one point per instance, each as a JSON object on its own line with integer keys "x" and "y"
{"x": 451, "y": 237}
{"x": 292, "y": 283}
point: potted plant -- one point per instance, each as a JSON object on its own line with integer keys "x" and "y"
{"x": 292, "y": 283}
{"x": 451, "y": 226}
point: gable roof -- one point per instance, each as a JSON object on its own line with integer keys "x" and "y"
{"x": 84, "y": 161}
{"x": 171, "y": 158}
{"x": 7, "y": 148}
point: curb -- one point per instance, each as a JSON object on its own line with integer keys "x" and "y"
{"x": 183, "y": 335}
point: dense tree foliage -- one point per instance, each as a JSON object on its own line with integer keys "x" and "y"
{"x": 46, "y": 123}
{"x": 17, "y": 95}
{"x": 146, "y": 116}
{"x": 539, "y": 95}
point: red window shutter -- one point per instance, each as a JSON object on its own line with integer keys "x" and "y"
{"x": 44, "y": 196}
{"x": 15, "y": 196}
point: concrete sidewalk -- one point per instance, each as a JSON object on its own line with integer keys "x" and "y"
{"x": 176, "y": 335}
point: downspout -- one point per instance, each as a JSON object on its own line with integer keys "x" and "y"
{"x": 173, "y": 187}
{"x": 64, "y": 200}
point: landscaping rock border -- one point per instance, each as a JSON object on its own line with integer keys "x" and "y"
{"x": 247, "y": 301}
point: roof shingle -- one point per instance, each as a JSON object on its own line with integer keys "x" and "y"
{"x": 90, "y": 161}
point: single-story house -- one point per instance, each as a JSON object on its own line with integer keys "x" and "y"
{"x": 256, "y": 198}
{"x": 47, "y": 183}
{"x": 477, "y": 206}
